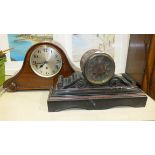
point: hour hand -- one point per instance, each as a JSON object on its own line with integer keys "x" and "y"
{"x": 43, "y": 64}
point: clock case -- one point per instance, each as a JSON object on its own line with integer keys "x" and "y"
{"x": 26, "y": 79}
{"x": 76, "y": 92}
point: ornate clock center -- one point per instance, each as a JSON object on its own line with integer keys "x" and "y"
{"x": 97, "y": 67}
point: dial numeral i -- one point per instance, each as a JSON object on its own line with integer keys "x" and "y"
{"x": 57, "y": 67}
{"x": 45, "y": 50}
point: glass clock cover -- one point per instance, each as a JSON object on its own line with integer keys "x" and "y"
{"x": 45, "y": 61}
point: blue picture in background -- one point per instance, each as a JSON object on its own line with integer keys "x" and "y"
{"x": 22, "y": 42}
{"x": 20, "y": 47}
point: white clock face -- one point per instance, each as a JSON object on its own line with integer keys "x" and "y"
{"x": 45, "y": 61}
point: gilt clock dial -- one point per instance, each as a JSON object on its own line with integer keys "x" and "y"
{"x": 45, "y": 61}
{"x": 97, "y": 66}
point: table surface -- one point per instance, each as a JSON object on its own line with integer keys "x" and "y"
{"x": 32, "y": 105}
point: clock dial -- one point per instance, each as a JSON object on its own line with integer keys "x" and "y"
{"x": 97, "y": 67}
{"x": 45, "y": 61}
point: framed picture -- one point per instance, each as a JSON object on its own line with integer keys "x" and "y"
{"x": 84, "y": 42}
{"x": 20, "y": 44}
{"x": 115, "y": 45}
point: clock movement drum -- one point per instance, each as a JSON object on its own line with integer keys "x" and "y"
{"x": 97, "y": 66}
{"x": 43, "y": 63}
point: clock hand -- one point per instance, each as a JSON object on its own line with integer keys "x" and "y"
{"x": 38, "y": 63}
{"x": 42, "y": 64}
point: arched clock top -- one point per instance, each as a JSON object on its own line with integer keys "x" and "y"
{"x": 42, "y": 65}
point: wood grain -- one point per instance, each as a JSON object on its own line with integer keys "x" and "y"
{"x": 137, "y": 55}
{"x": 26, "y": 79}
{"x": 149, "y": 75}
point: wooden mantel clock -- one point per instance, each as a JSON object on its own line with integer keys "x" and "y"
{"x": 43, "y": 64}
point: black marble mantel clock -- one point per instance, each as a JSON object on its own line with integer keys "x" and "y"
{"x": 96, "y": 87}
